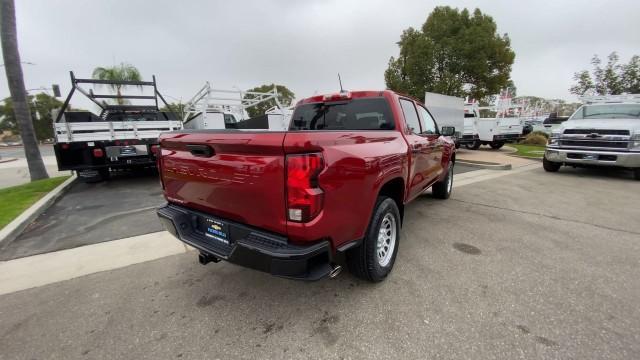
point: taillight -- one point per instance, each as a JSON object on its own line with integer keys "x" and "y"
{"x": 98, "y": 153}
{"x": 155, "y": 149}
{"x": 304, "y": 195}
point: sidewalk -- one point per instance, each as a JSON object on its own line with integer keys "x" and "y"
{"x": 16, "y": 172}
{"x": 486, "y": 154}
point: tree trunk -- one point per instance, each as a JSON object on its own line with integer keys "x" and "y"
{"x": 15, "y": 79}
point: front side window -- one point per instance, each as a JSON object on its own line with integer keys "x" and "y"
{"x": 428, "y": 124}
{"x": 410, "y": 116}
{"x": 607, "y": 111}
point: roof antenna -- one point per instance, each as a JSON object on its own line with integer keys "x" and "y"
{"x": 340, "y": 81}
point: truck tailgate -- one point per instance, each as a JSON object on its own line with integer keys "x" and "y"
{"x": 241, "y": 177}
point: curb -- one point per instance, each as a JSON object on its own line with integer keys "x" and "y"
{"x": 15, "y": 228}
{"x": 484, "y": 165}
{"x": 526, "y": 157}
{"x": 7, "y": 160}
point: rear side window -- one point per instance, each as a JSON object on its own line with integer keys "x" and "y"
{"x": 357, "y": 114}
{"x": 410, "y": 116}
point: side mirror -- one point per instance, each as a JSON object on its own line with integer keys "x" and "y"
{"x": 447, "y": 131}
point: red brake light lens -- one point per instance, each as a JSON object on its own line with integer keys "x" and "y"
{"x": 155, "y": 149}
{"x": 98, "y": 153}
{"x": 345, "y": 95}
{"x": 304, "y": 195}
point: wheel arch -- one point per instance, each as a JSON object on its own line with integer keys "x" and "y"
{"x": 394, "y": 188}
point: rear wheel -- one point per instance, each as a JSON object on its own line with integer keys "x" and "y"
{"x": 442, "y": 189}
{"x": 474, "y": 145}
{"x": 550, "y": 166}
{"x": 374, "y": 258}
{"x": 496, "y": 145}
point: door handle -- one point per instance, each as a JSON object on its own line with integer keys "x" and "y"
{"x": 200, "y": 150}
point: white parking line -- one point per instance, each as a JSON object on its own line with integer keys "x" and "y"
{"x": 39, "y": 270}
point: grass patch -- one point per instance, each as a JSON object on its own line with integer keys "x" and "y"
{"x": 532, "y": 151}
{"x": 17, "y": 199}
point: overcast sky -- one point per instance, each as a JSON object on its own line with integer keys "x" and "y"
{"x": 301, "y": 44}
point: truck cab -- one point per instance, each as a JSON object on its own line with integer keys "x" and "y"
{"x": 470, "y": 136}
{"x": 603, "y": 132}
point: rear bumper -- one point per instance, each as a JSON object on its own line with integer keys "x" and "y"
{"x": 250, "y": 247}
{"x": 595, "y": 157}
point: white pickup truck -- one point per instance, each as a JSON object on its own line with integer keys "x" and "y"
{"x": 605, "y": 131}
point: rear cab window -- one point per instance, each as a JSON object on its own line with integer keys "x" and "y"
{"x": 357, "y": 114}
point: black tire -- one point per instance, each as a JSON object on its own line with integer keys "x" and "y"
{"x": 473, "y": 146}
{"x": 363, "y": 260}
{"x": 442, "y": 189}
{"x": 636, "y": 173}
{"x": 457, "y": 145}
{"x": 496, "y": 145}
{"x": 550, "y": 166}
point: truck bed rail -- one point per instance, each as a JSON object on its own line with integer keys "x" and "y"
{"x": 112, "y": 130}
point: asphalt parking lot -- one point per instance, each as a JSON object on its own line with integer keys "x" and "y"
{"x": 528, "y": 265}
{"x": 93, "y": 213}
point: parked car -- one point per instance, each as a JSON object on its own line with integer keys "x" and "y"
{"x": 605, "y": 132}
{"x": 551, "y": 123}
{"x": 302, "y": 203}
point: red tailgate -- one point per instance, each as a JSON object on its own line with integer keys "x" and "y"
{"x": 241, "y": 179}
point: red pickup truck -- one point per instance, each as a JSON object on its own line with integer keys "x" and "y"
{"x": 302, "y": 203}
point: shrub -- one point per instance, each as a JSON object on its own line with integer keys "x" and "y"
{"x": 538, "y": 132}
{"x": 535, "y": 139}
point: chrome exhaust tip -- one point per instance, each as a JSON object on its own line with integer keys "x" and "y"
{"x": 335, "y": 271}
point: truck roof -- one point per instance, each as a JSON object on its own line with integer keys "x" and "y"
{"x": 347, "y": 95}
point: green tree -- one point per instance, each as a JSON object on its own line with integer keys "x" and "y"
{"x": 455, "y": 53}
{"x": 40, "y": 105}
{"x": 122, "y": 72}
{"x": 15, "y": 80}
{"x": 631, "y": 75}
{"x": 584, "y": 84}
{"x": 178, "y": 108}
{"x": 285, "y": 97}
{"x": 610, "y": 79}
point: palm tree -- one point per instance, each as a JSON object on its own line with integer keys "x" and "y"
{"x": 15, "y": 80}
{"x": 122, "y": 72}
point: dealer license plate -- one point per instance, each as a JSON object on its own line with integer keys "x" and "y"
{"x": 215, "y": 230}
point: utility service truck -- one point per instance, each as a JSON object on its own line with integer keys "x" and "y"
{"x": 218, "y": 109}
{"x": 123, "y": 135}
{"x": 448, "y": 111}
